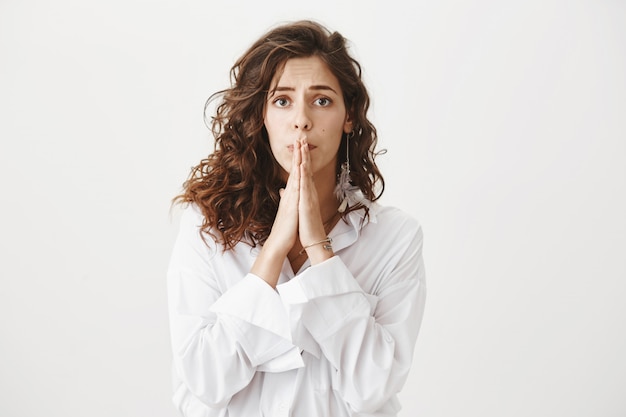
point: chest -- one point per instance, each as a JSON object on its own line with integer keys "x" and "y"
{"x": 367, "y": 265}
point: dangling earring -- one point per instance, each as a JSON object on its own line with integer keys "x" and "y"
{"x": 343, "y": 184}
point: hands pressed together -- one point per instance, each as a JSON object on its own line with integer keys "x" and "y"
{"x": 298, "y": 218}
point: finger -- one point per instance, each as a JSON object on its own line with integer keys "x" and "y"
{"x": 293, "y": 181}
{"x": 297, "y": 162}
{"x": 297, "y": 154}
{"x": 308, "y": 193}
{"x": 306, "y": 154}
{"x": 305, "y": 171}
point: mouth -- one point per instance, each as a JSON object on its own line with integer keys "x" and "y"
{"x": 311, "y": 147}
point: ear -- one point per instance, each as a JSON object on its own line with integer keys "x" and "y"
{"x": 348, "y": 125}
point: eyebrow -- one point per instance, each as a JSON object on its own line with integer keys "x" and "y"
{"x": 320, "y": 87}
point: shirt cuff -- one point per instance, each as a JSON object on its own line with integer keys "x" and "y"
{"x": 332, "y": 296}
{"x": 289, "y": 360}
{"x": 325, "y": 279}
{"x": 252, "y": 302}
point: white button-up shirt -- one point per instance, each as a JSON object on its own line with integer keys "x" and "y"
{"x": 334, "y": 339}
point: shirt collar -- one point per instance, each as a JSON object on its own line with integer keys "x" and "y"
{"x": 348, "y": 229}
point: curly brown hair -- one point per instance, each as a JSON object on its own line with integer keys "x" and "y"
{"x": 237, "y": 186}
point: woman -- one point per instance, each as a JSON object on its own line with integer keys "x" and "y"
{"x": 292, "y": 292}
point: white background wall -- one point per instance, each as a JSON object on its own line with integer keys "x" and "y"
{"x": 505, "y": 124}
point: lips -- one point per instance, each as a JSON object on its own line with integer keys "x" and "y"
{"x": 311, "y": 147}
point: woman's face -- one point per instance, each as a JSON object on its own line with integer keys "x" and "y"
{"x": 306, "y": 101}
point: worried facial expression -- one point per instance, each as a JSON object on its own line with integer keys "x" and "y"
{"x": 306, "y": 100}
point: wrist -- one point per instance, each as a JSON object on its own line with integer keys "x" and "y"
{"x": 319, "y": 251}
{"x": 318, "y": 255}
{"x": 268, "y": 265}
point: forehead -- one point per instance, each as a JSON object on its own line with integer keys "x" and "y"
{"x": 308, "y": 71}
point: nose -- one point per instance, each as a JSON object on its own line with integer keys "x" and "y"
{"x": 302, "y": 121}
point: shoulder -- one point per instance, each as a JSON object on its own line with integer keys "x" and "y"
{"x": 191, "y": 216}
{"x": 191, "y": 219}
{"x": 391, "y": 227}
{"x": 394, "y": 219}
{"x": 191, "y": 227}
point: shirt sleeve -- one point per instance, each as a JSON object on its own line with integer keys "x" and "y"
{"x": 220, "y": 339}
{"x": 368, "y": 339}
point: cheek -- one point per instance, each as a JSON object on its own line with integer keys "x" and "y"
{"x": 281, "y": 155}
{"x": 271, "y": 135}
{"x": 272, "y": 120}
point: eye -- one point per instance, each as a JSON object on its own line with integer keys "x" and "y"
{"x": 281, "y": 102}
{"x": 323, "y": 102}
